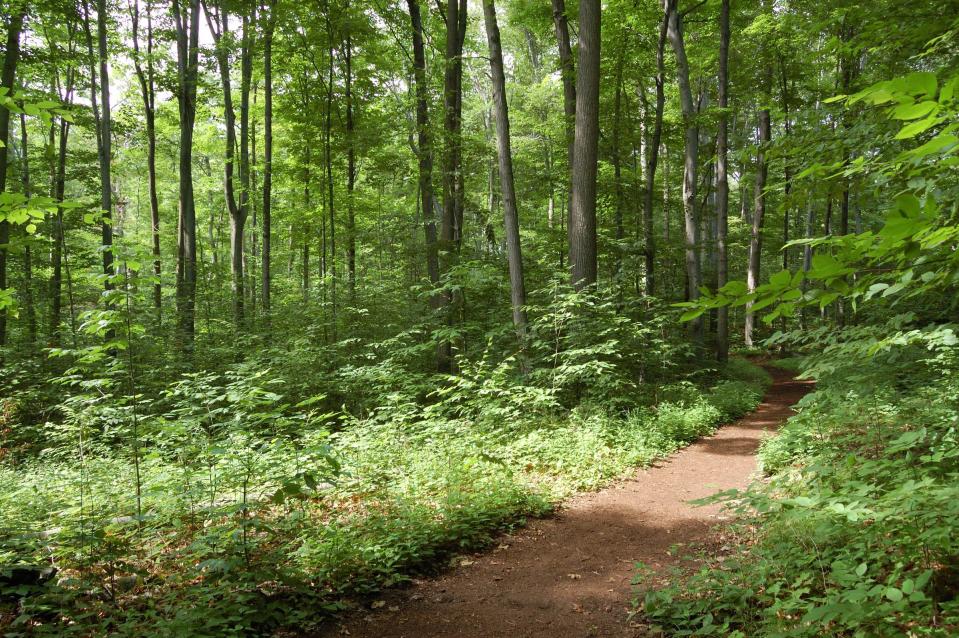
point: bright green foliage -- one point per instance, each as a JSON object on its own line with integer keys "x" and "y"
{"x": 854, "y": 532}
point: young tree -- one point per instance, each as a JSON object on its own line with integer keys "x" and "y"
{"x": 269, "y": 26}
{"x": 722, "y": 183}
{"x": 514, "y": 253}
{"x": 7, "y": 79}
{"x": 582, "y": 227}
{"x": 186, "y": 16}
{"x": 146, "y": 79}
{"x": 674, "y": 31}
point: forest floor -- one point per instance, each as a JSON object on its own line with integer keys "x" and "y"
{"x": 570, "y": 574}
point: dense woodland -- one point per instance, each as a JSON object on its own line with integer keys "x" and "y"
{"x": 300, "y": 300}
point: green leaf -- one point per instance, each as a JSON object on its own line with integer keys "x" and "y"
{"x": 893, "y": 594}
{"x": 915, "y": 111}
{"x": 915, "y": 128}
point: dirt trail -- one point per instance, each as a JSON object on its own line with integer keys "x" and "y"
{"x": 569, "y": 575}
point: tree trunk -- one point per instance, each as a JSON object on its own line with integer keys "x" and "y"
{"x": 424, "y": 148}
{"x": 186, "y": 14}
{"x": 218, "y": 21}
{"x": 29, "y": 308}
{"x": 10, "y": 60}
{"x": 568, "y": 72}
{"x": 267, "y": 154}
{"x": 722, "y": 184}
{"x": 691, "y": 159}
{"x": 652, "y": 158}
{"x": 103, "y": 123}
{"x": 328, "y": 159}
{"x": 350, "y": 170}
{"x": 582, "y": 254}
{"x": 148, "y": 95}
{"x": 508, "y": 192}
{"x": 759, "y": 212}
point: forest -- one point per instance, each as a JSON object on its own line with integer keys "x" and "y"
{"x": 318, "y": 318}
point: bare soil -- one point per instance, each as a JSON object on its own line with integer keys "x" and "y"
{"x": 570, "y": 574}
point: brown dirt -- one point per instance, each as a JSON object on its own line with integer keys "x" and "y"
{"x": 569, "y": 575}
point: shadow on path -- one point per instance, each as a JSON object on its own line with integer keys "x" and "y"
{"x": 569, "y": 575}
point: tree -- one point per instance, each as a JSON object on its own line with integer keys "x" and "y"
{"x": 186, "y": 15}
{"x": 582, "y": 252}
{"x": 722, "y": 183}
{"x": 147, "y": 83}
{"x": 505, "y": 155}
{"x": 270, "y": 24}
{"x": 674, "y": 31}
{"x": 7, "y": 79}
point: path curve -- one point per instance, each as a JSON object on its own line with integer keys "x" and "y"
{"x": 569, "y": 575}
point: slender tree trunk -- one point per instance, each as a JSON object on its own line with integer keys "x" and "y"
{"x": 7, "y": 79}
{"x": 508, "y": 191}
{"x": 652, "y": 158}
{"x": 350, "y": 170}
{"x": 691, "y": 160}
{"x": 722, "y": 184}
{"x": 267, "y": 154}
{"x": 424, "y": 148}
{"x": 186, "y": 14}
{"x": 103, "y": 122}
{"x": 759, "y": 212}
{"x": 243, "y": 205}
{"x": 29, "y": 308}
{"x": 568, "y": 72}
{"x": 328, "y": 159}
{"x": 582, "y": 254}
{"x": 218, "y": 22}
{"x": 617, "y": 163}
{"x": 787, "y": 167}
{"x": 148, "y": 95}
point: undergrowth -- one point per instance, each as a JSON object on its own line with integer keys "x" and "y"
{"x": 853, "y": 532}
{"x": 232, "y": 510}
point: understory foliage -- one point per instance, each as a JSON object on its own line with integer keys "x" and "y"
{"x": 270, "y": 492}
{"x": 852, "y": 533}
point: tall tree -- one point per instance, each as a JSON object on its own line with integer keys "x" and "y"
{"x": 146, "y": 79}
{"x": 424, "y": 149}
{"x": 186, "y": 15}
{"x": 7, "y": 79}
{"x": 652, "y": 158}
{"x": 568, "y": 73}
{"x": 722, "y": 183}
{"x": 270, "y": 24}
{"x": 218, "y": 21}
{"x": 350, "y": 164}
{"x": 582, "y": 253}
{"x": 674, "y": 31}
{"x": 514, "y": 253}
{"x": 759, "y": 213}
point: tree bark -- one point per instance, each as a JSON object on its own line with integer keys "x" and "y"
{"x": 7, "y": 79}
{"x": 186, "y": 14}
{"x": 759, "y": 212}
{"x": 218, "y": 21}
{"x": 568, "y": 72}
{"x": 29, "y": 308}
{"x": 582, "y": 254}
{"x": 267, "y": 154}
{"x": 350, "y": 168}
{"x": 691, "y": 159}
{"x": 148, "y": 95}
{"x": 722, "y": 184}
{"x": 424, "y": 148}
{"x": 508, "y": 192}
{"x": 652, "y": 158}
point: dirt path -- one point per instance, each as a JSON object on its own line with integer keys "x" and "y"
{"x": 569, "y": 575}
